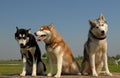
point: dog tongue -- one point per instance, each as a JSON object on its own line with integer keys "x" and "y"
{"x": 39, "y": 39}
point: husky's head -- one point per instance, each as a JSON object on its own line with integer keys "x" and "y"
{"x": 48, "y": 33}
{"x": 44, "y": 33}
{"x": 99, "y": 27}
{"x": 22, "y": 36}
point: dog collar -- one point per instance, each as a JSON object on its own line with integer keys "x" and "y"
{"x": 97, "y": 37}
{"x": 53, "y": 44}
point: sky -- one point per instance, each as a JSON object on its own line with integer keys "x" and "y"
{"x": 70, "y": 18}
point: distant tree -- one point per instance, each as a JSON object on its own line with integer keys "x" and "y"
{"x": 117, "y": 56}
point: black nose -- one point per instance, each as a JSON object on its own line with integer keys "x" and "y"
{"x": 21, "y": 45}
{"x": 102, "y": 32}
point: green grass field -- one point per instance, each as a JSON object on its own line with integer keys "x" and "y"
{"x": 15, "y": 67}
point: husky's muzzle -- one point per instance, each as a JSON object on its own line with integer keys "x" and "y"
{"x": 22, "y": 45}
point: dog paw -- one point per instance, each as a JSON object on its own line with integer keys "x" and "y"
{"x": 34, "y": 74}
{"x": 95, "y": 74}
{"x": 109, "y": 74}
{"x": 49, "y": 74}
{"x": 78, "y": 73}
{"x": 22, "y": 74}
{"x": 57, "y": 76}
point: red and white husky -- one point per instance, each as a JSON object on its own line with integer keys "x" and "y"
{"x": 57, "y": 51}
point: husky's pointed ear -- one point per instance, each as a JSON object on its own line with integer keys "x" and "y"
{"x": 29, "y": 30}
{"x": 102, "y": 17}
{"x": 91, "y": 22}
{"x": 17, "y": 28}
{"x": 51, "y": 26}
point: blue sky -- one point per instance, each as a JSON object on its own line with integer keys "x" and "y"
{"x": 70, "y": 18}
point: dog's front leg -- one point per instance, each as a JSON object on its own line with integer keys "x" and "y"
{"x": 24, "y": 66}
{"x": 59, "y": 65}
{"x": 106, "y": 64}
{"x": 34, "y": 67}
{"x": 92, "y": 64}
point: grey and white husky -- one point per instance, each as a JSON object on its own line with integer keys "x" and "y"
{"x": 95, "y": 49}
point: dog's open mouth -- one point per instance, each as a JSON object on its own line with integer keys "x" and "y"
{"x": 102, "y": 34}
{"x": 40, "y": 38}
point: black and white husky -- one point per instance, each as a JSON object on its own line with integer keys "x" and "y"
{"x": 31, "y": 55}
{"x": 95, "y": 49}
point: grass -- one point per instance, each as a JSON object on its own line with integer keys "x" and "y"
{"x": 112, "y": 66}
{"x": 10, "y": 67}
{"x": 15, "y": 67}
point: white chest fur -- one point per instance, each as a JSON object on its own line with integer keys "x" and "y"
{"x": 99, "y": 49}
